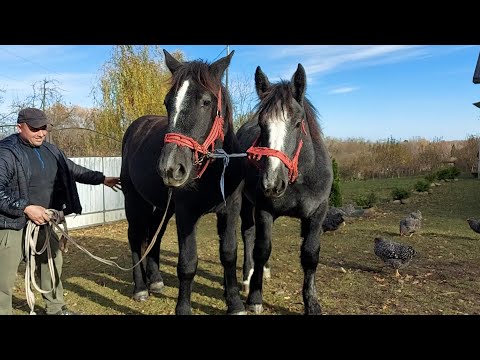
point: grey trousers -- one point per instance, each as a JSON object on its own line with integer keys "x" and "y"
{"x": 11, "y": 254}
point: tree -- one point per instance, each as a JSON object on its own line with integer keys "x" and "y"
{"x": 134, "y": 83}
{"x": 242, "y": 95}
{"x": 335, "y": 193}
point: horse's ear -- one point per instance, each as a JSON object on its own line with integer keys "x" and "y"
{"x": 261, "y": 82}
{"x": 172, "y": 63}
{"x": 299, "y": 83}
{"x": 218, "y": 67}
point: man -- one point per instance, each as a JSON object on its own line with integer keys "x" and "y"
{"x": 35, "y": 176}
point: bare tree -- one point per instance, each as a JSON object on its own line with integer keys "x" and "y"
{"x": 242, "y": 94}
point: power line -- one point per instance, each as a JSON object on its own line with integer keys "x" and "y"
{"x": 30, "y": 61}
{"x": 225, "y": 48}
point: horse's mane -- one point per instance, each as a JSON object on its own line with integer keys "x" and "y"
{"x": 282, "y": 92}
{"x": 198, "y": 70}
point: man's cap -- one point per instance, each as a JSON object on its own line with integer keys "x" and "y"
{"x": 36, "y": 118}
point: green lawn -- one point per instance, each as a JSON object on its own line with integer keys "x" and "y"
{"x": 444, "y": 278}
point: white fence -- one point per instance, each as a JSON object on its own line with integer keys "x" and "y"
{"x": 100, "y": 203}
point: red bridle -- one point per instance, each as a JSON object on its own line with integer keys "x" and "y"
{"x": 256, "y": 152}
{"x": 215, "y": 133}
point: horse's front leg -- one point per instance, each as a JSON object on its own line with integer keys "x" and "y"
{"x": 261, "y": 253}
{"x": 154, "y": 278}
{"x": 226, "y": 225}
{"x": 187, "y": 259}
{"x": 309, "y": 255}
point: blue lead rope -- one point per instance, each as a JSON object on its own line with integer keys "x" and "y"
{"x": 221, "y": 154}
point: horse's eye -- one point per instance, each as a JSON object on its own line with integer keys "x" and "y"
{"x": 206, "y": 102}
{"x": 297, "y": 125}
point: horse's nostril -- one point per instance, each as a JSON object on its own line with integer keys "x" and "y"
{"x": 179, "y": 172}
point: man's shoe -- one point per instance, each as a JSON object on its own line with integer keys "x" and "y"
{"x": 65, "y": 311}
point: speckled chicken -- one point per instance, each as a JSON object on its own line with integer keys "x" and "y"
{"x": 411, "y": 223}
{"x": 393, "y": 254}
{"x": 474, "y": 224}
{"x": 333, "y": 220}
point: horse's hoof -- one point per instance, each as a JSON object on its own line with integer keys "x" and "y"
{"x": 246, "y": 287}
{"x": 141, "y": 296}
{"x": 156, "y": 287}
{"x": 256, "y": 308}
{"x": 243, "y": 312}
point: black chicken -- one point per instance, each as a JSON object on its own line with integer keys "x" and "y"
{"x": 333, "y": 219}
{"x": 474, "y": 224}
{"x": 393, "y": 254}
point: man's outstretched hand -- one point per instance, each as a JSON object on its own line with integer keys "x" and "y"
{"x": 113, "y": 183}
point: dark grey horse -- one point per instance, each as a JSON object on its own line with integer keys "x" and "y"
{"x": 173, "y": 152}
{"x": 290, "y": 174}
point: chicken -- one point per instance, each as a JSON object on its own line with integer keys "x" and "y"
{"x": 474, "y": 224}
{"x": 411, "y": 223}
{"x": 333, "y": 219}
{"x": 393, "y": 254}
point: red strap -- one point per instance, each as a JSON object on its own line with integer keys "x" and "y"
{"x": 215, "y": 133}
{"x": 256, "y": 152}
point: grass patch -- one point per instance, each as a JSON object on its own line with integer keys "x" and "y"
{"x": 442, "y": 279}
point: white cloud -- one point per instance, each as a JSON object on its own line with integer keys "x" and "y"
{"x": 343, "y": 90}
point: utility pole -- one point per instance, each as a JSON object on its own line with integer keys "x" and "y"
{"x": 226, "y": 73}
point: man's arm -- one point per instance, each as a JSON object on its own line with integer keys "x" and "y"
{"x": 91, "y": 177}
{"x": 9, "y": 204}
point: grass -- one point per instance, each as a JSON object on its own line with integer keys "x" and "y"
{"x": 442, "y": 279}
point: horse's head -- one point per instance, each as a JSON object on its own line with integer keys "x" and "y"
{"x": 281, "y": 118}
{"x": 196, "y": 106}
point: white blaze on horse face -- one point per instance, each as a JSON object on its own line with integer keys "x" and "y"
{"x": 179, "y": 99}
{"x": 277, "y": 132}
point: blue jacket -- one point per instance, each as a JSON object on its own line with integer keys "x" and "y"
{"x": 15, "y": 176}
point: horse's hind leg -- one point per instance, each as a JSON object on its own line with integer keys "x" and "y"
{"x": 138, "y": 213}
{"x": 154, "y": 278}
{"x": 261, "y": 253}
{"x": 309, "y": 254}
{"x": 248, "y": 237}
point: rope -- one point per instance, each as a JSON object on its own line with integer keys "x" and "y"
{"x": 56, "y": 219}
{"x": 221, "y": 154}
{"x": 110, "y": 262}
{"x": 30, "y": 246}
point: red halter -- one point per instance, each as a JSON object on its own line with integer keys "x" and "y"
{"x": 215, "y": 133}
{"x": 256, "y": 152}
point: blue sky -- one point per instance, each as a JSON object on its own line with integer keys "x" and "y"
{"x": 362, "y": 91}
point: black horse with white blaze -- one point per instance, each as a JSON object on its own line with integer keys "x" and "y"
{"x": 174, "y": 152}
{"x": 289, "y": 174}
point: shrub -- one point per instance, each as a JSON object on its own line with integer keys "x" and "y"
{"x": 366, "y": 201}
{"x": 399, "y": 194}
{"x": 450, "y": 172}
{"x": 421, "y": 186}
{"x": 335, "y": 193}
{"x": 431, "y": 177}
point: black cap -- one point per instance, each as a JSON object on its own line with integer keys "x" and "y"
{"x": 36, "y": 118}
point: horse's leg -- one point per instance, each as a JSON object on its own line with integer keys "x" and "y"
{"x": 248, "y": 237}
{"x": 187, "y": 256}
{"x": 226, "y": 227}
{"x": 154, "y": 278}
{"x": 309, "y": 254}
{"x": 138, "y": 212}
{"x": 261, "y": 253}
